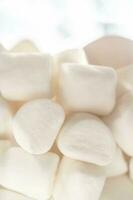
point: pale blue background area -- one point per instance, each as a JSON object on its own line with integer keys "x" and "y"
{"x": 58, "y": 24}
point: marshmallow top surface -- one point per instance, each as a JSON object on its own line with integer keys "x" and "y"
{"x": 85, "y": 137}
{"x": 27, "y": 174}
{"x": 87, "y": 88}
{"x": 118, "y": 188}
{"x": 120, "y": 122}
{"x": 26, "y": 76}
{"x": 78, "y": 180}
{"x": 36, "y": 125}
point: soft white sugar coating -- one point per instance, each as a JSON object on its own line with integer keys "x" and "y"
{"x": 118, "y": 166}
{"x": 36, "y": 125}
{"x": 120, "y": 122}
{"x": 118, "y": 188}
{"x": 30, "y": 175}
{"x": 4, "y": 145}
{"x": 71, "y": 56}
{"x": 125, "y": 79}
{"x": 85, "y": 137}
{"x": 87, "y": 88}
{"x": 67, "y": 56}
{"x": 10, "y": 195}
{"x": 5, "y": 116}
{"x": 78, "y": 180}
{"x": 24, "y": 46}
{"x": 25, "y": 76}
{"x": 111, "y": 51}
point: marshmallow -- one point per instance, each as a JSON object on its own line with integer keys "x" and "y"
{"x": 113, "y": 51}
{"x": 24, "y": 46}
{"x": 36, "y": 125}
{"x": 120, "y": 122}
{"x": 71, "y": 56}
{"x": 87, "y": 88}
{"x": 118, "y": 188}
{"x": 27, "y": 174}
{"x": 85, "y": 137}
{"x": 10, "y": 195}
{"x": 25, "y": 76}
{"x": 118, "y": 166}
{"x": 4, "y": 145}
{"x": 5, "y": 117}
{"x": 78, "y": 180}
{"x": 125, "y": 79}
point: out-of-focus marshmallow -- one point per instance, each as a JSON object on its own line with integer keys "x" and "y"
{"x": 118, "y": 188}
{"x": 24, "y": 46}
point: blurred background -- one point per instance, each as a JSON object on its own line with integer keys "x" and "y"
{"x": 58, "y": 24}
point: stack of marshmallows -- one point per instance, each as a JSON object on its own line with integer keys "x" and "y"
{"x": 66, "y": 127}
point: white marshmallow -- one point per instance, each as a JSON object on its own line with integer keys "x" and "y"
{"x": 5, "y": 117}
{"x": 118, "y": 166}
{"x": 87, "y": 88}
{"x": 111, "y": 51}
{"x": 24, "y": 46}
{"x": 78, "y": 180}
{"x": 25, "y": 76}
{"x": 125, "y": 79}
{"x": 71, "y": 56}
{"x": 27, "y": 174}
{"x": 118, "y": 188}
{"x": 67, "y": 56}
{"x": 120, "y": 122}
{"x": 10, "y": 195}
{"x": 36, "y": 125}
{"x": 4, "y": 145}
{"x": 85, "y": 137}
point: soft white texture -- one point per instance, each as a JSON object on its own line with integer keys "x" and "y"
{"x": 27, "y": 174}
{"x": 5, "y": 116}
{"x": 85, "y": 137}
{"x": 24, "y": 46}
{"x": 4, "y": 145}
{"x": 10, "y": 195}
{"x": 36, "y": 125}
{"x": 26, "y": 76}
{"x": 120, "y": 122}
{"x": 125, "y": 79}
{"x": 118, "y": 188}
{"x": 71, "y": 56}
{"x": 78, "y": 181}
{"x": 118, "y": 166}
{"x": 87, "y": 88}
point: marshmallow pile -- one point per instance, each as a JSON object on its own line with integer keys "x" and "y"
{"x": 66, "y": 127}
